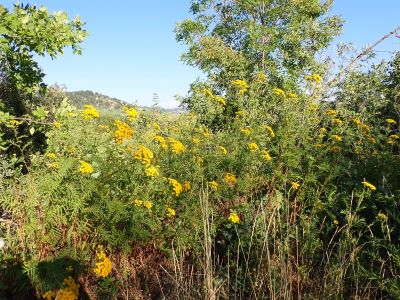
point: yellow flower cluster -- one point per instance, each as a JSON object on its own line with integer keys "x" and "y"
{"x": 313, "y": 107}
{"x": 176, "y": 186}
{"x": 53, "y": 165}
{"x": 337, "y": 137}
{"x": 246, "y": 131}
{"x": 51, "y": 155}
{"x": 222, "y": 150}
{"x": 123, "y": 132}
{"x": 295, "y": 185}
{"x": 234, "y": 217}
{"x": 143, "y": 203}
{"x": 331, "y": 112}
{"x": 265, "y": 155}
{"x": 144, "y": 155}
{"x": 314, "y": 77}
{"x": 278, "y": 92}
{"x": 131, "y": 113}
{"x": 151, "y": 171}
{"x": 391, "y": 121}
{"x": 56, "y": 124}
{"x": 90, "y": 112}
{"x": 104, "y": 266}
{"x": 170, "y": 212}
{"x": 369, "y": 185}
{"x": 156, "y": 126}
{"x": 337, "y": 121}
{"x": 240, "y": 85}
{"x": 196, "y": 140}
{"x": 261, "y": 76}
{"x": 230, "y": 178}
{"x": 177, "y": 146}
{"x": 187, "y": 186}
{"x": 220, "y": 100}
{"x": 69, "y": 292}
{"x": 253, "y": 147}
{"x": 85, "y": 167}
{"x": 161, "y": 140}
{"x": 213, "y": 185}
{"x": 269, "y": 129}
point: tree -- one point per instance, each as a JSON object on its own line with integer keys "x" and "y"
{"x": 231, "y": 39}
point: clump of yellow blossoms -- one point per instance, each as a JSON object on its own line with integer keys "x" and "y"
{"x": 265, "y": 155}
{"x": 196, "y": 140}
{"x": 151, "y": 171}
{"x": 162, "y": 141}
{"x": 213, "y": 185}
{"x": 69, "y": 292}
{"x": 85, "y": 167}
{"x": 53, "y": 165}
{"x": 56, "y": 124}
{"x": 177, "y": 146}
{"x": 246, "y": 131}
{"x": 222, "y": 150}
{"x": 104, "y": 266}
{"x": 123, "y": 132}
{"x": 51, "y": 155}
{"x": 143, "y": 203}
{"x": 331, "y": 112}
{"x": 278, "y": 92}
{"x": 337, "y": 137}
{"x": 261, "y": 76}
{"x": 269, "y": 129}
{"x": 170, "y": 212}
{"x": 295, "y": 185}
{"x": 234, "y": 217}
{"x": 253, "y": 147}
{"x": 313, "y": 107}
{"x": 131, "y": 113}
{"x": 90, "y": 112}
{"x": 382, "y": 217}
{"x": 220, "y": 100}
{"x": 144, "y": 155}
{"x": 391, "y": 121}
{"x": 314, "y": 77}
{"x": 230, "y": 178}
{"x": 240, "y": 85}
{"x": 176, "y": 186}
{"x": 187, "y": 186}
{"x": 369, "y": 185}
{"x": 337, "y": 121}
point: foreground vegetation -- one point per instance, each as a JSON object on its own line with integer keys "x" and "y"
{"x": 264, "y": 190}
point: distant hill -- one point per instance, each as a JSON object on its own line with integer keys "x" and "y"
{"x": 100, "y": 101}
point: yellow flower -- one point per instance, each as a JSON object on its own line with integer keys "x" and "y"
{"x": 382, "y": 217}
{"x": 51, "y": 155}
{"x": 246, "y": 131}
{"x": 278, "y": 92}
{"x": 336, "y": 149}
{"x": 220, "y": 100}
{"x": 230, "y": 178}
{"x": 240, "y": 85}
{"x": 394, "y": 136}
{"x": 223, "y": 150}
{"x": 195, "y": 140}
{"x": 147, "y": 204}
{"x": 207, "y": 92}
{"x": 322, "y": 130}
{"x": 56, "y": 124}
{"x": 151, "y": 171}
{"x": 261, "y": 76}
{"x": 104, "y": 266}
{"x": 313, "y": 107}
{"x": 265, "y": 155}
{"x": 293, "y": 96}
{"x": 90, "y": 112}
{"x": 336, "y": 222}
{"x": 54, "y": 165}
{"x": 69, "y": 292}
{"x": 131, "y": 113}
{"x": 369, "y": 185}
{"x": 161, "y": 141}
{"x": 365, "y": 127}
{"x": 314, "y": 77}
{"x": 295, "y": 185}
{"x": 331, "y": 112}
{"x": 85, "y": 167}
{"x": 156, "y": 126}
{"x": 269, "y": 129}
{"x": 391, "y": 121}
{"x": 176, "y": 186}
{"x": 356, "y": 121}
{"x": 49, "y": 295}
{"x": 253, "y": 147}
{"x": 213, "y": 185}
{"x": 234, "y": 217}
{"x": 177, "y": 146}
{"x": 187, "y": 186}
{"x": 337, "y": 137}
{"x": 123, "y": 132}
{"x": 337, "y": 121}
{"x": 170, "y": 212}
{"x": 144, "y": 155}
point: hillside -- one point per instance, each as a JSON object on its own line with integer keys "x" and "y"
{"x": 80, "y": 98}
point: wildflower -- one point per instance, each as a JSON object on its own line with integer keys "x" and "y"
{"x": 199, "y": 161}
{"x": 156, "y": 126}
{"x": 336, "y": 222}
{"x": 261, "y": 76}
{"x": 313, "y": 107}
{"x": 170, "y": 212}
{"x": 293, "y": 96}
{"x": 390, "y": 142}
{"x": 336, "y": 149}
{"x": 391, "y": 121}
{"x": 176, "y": 186}
{"x": 195, "y": 140}
{"x": 223, "y": 150}
{"x": 394, "y": 137}
{"x": 144, "y": 155}
{"x": 278, "y": 92}
{"x": 131, "y": 113}
{"x": 239, "y": 114}
{"x": 240, "y": 85}
{"x": 177, "y": 146}
{"x": 207, "y": 92}
{"x": 234, "y": 217}
{"x": 265, "y": 155}
{"x": 337, "y": 121}
{"x": 331, "y": 112}
{"x": 369, "y": 185}
{"x": 382, "y": 217}
{"x": 56, "y": 124}
{"x": 161, "y": 141}
{"x": 314, "y": 77}
{"x": 151, "y": 171}
{"x": 213, "y": 185}
{"x": 90, "y": 112}
{"x": 123, "y": 132}
{"x": 104, "y": 127}
{"x": 147, "y": 204}
{"x": 14, "y": 122}
{"x": 230, "y": 178}
{"x": 51, "y": 155}
{"x": 269, "y": 129}
{"x": 187, "y": 186}
{"x": 318, "y": 146}
{"x": 104, "y": 266}
{"x": 253, "y": 147}
{"x": 85, "y": 168}
{"x": 49, "y": 295}
{"x": 54, "y": 165}
{"x": 322, "y": 130}
{"x": 295, "y": 185}
{"x": 206, "y": 132}
{"x": 220, "y": 100}
{"x": 246, "y": 131}
{"x": 337, "y": 137}
{"x": 356, "y": 121}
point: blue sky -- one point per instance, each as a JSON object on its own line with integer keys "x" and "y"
{"x": 131, "y": 52}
